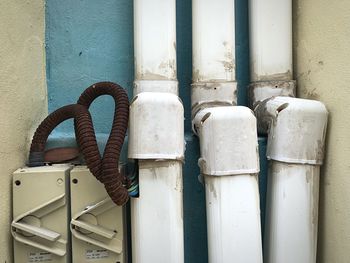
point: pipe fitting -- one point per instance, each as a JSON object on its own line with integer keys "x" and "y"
{"x": 296, "y": 129}
{"x": 156, "y": 127}
{"x": 228, "y": 141}
{"x": 262, "y": 90}
{"x": 166, "y": 86}
{"x": 212, "y": 94}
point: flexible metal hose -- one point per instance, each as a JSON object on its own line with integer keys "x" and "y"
{"x": 111, "y": 177}
{"x": 105, "y": 169}
{"x": 85, "y": 130}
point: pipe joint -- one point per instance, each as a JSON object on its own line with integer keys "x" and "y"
{"x": 156, "y": 127}
{"x": 212, "y": 94}
{"x": 228, "y": 141}
{"x": 262, "y": 90}
{"x": 165, "y": 86}
{"x": 296, "y": 129}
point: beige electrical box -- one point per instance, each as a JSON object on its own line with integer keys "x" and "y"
{"x": 97, "y": 224}
{"x": 41, "y": 214}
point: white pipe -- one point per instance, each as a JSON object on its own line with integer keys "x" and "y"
{"x": 296, "y": 138}
{"x": 213, "y": 40}
{"x": 156, "y": 136}
{"x": 292, "y": 202}
{"x": 213, "y": 45}
{"x": 228, "y": 138}
{"x": 229, "y": 162}
{"x": 155, "y": 46}
{"x": 232, "y": 218}
{"x": 155, "y": 39}
{"x": 270, "y": 40}
{"x": 156, "y": 217}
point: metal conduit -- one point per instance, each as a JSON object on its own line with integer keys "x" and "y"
{"x": 105, "y": 169}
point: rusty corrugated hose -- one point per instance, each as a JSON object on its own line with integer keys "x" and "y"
{"x": 111, "y": 177}
{"x": 105, "y": 169}
{"x": 82, "y": 117}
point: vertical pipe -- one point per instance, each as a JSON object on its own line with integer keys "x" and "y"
{"x": 156, "y": 117}
{"x": 229, "y": 163}
{"x": 213, "y": 73}
{"x": 155, "y": 39}
{"x": 155, "y": 46}
{"x": 228, "y": 138}
{"x": 295, "y": 152}
{"x": 213, "y": 40}
{"x": 156, "y": 220}
{"x": 296, "y": 136}
{"x": 233, "y": 216}
{"x": 292, "y": 217}
{"x": 270, "y": 40}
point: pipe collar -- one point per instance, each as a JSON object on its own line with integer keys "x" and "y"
{"x": 156, "y": 127}
{"x": 211, "y": 94}
{"x": 262, "y": 90}
{"x": 167, "y": 86}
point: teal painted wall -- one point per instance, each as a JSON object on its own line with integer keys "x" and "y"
{"x": 89, "y": 41}
{"x": 86, "y": 42}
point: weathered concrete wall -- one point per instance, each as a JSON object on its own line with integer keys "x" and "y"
{"x": 322, "y": 42}
{"x": 23, "y": 100}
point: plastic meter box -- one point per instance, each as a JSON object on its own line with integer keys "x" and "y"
{"x": 41, "y": 214}
{"x": 97, "y": 224}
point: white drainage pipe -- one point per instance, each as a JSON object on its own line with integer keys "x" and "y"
{"x": 296, "y": 131}
{"x": 229, "y": 164}
{"x": 228, "y": 138}
{"x": 270, "y": 24}
{"x": 156, "y": 136}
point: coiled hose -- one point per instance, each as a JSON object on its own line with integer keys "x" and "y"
{"x": 111, "y": 177}
{"x": 105, "y": 169}
{"x": 85, "y": 126}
